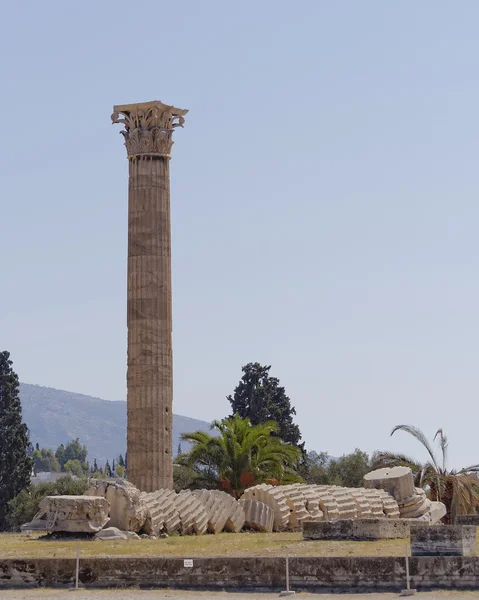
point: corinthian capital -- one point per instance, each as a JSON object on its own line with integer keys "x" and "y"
{"x": 148, "y": 127}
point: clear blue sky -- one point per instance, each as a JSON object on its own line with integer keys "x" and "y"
{"x": 324, "y": 204}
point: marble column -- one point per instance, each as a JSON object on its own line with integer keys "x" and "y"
{"x": 148, "y": 129}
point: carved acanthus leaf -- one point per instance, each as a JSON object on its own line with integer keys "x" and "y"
{"x": 148, "y": 127}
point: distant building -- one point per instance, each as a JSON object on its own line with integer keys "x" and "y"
{"x": 49, "y": 477}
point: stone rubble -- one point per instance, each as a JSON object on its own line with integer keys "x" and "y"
{"x": 72, "y": 514}
{"x": 259, "y": 516}
{"x": 127, "y": 511}
{"x": 262, "y": 507}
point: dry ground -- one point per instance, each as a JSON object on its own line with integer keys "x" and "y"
{"x": 225, "y": 544}
{"x": 179, "y": 595}
{"x": 13, "y": 545}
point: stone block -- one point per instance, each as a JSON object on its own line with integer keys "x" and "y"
{"x": 223, "y": 511}
{"x": 397, "y": 481}
{"x": 296, "y": 502}
{"x": 193, "y": 515}
{"x": 127, "y": 511}
{"x": 111, "y": 533}
{"x": 443, "y": 540}
{"x": 438, "y": 511}
{"x": 380, "y": 529}
{"x": 328, "y": 530}
{"x": 467, "y": 520}
{"x": 73, "y": 514}
{"x": 356, "y": 529}
{"x": 275, "y": 499}
{"x": 258, "y": 516}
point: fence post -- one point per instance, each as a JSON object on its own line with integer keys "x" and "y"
{"x": 77, "y": 570}
{"x": 287, "y": 591}
{"x": 408, "y": 591}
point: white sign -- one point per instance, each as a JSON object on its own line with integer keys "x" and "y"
{"x": 188, "y": 562}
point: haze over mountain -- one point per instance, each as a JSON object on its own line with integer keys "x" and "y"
{"x": 55, "y": 417}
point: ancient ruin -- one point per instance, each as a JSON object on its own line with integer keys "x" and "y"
{"x": 148, "y": 129}
{"x": 389, "y": 496}
{"x": 72, "y": 514}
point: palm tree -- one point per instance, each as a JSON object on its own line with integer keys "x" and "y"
{"x": 241, "y": 455}
{"x": 458, "y": 490}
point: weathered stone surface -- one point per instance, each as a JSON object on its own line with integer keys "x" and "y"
{"x": 438, "y": 511}
{"x": 162, "y": 512}
{"x": 235, "y": 521}
{"x": 222, "y": 509}
{"x": 443, "y": 540}
{"x": 363, "y": 507}
{"x": 417, "y": 506}
{"x": 111, "y": 533}
{"x": 467, "y": 520}
{"x": 397, "y": 481}
{"x": 328, "y": 530}
{"x": 296, "y": 502}
{"x": 148, "y": 140}
{"x": 74, "y": 514}
{"x": 259, "y": 516}
{"x": 312, "y": 502}
{"x": 127, "y": 511}
{"x": 345, "y": 574}
{"x": 275, "y": 499}
{"x": 356, "y": 529}
{"x": 193, "y": 515}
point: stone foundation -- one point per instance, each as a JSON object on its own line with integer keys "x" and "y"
{"x": 467, "y": 520}
{"x": 443, "y": 540}
{"x": 308, "y": 573}
{"x": 358, "y": 529}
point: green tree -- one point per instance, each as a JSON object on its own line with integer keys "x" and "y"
{"x": 241, "y": 455}
{"x": 314, "y": 468}
{"x": 121, "y": 461}
{"x": 349, "y": 470}
{"x": 260, "y": 398}
{"x": 60, "y": 455}
{"x": 120, "y": 470}
{"x": 24, "y": 506}
{"x": 75, "y": 451}
{"x": 44, "y": 460}
{"x": 15, "y": 464}
{"x": 71, "y": 452}
{"x": 458, "y": 490}
{"x": 75, "y": 467}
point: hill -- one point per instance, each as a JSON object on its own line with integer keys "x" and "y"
{"x": 55, "y": 417}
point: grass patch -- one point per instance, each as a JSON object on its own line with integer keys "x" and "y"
{"x": 21, "y": 545}
{"x": 13, "y": 545}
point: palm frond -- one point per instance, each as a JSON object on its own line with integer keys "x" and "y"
{"x": 419, "y": 435}
{"x": 443, "y": 443}
{"x": 384, "y": 458}
{"x": 471, "y": 469}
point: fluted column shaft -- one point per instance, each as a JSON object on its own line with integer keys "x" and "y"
{"x": 150, "y": 364}
{"x": 148, "y": 134}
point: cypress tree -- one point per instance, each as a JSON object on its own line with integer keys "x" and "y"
{"x": 15, "y": 465}
{"x": 260, "y": 398}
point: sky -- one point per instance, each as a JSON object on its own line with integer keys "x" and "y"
{"x": 323, "y": 195}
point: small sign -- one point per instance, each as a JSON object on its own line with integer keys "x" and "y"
{"x": 188, "y": 562}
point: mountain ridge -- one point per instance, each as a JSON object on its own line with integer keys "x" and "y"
{"x": 56, "y": 416}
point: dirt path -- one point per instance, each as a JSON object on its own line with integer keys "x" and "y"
{"x": 135, "y": 594}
